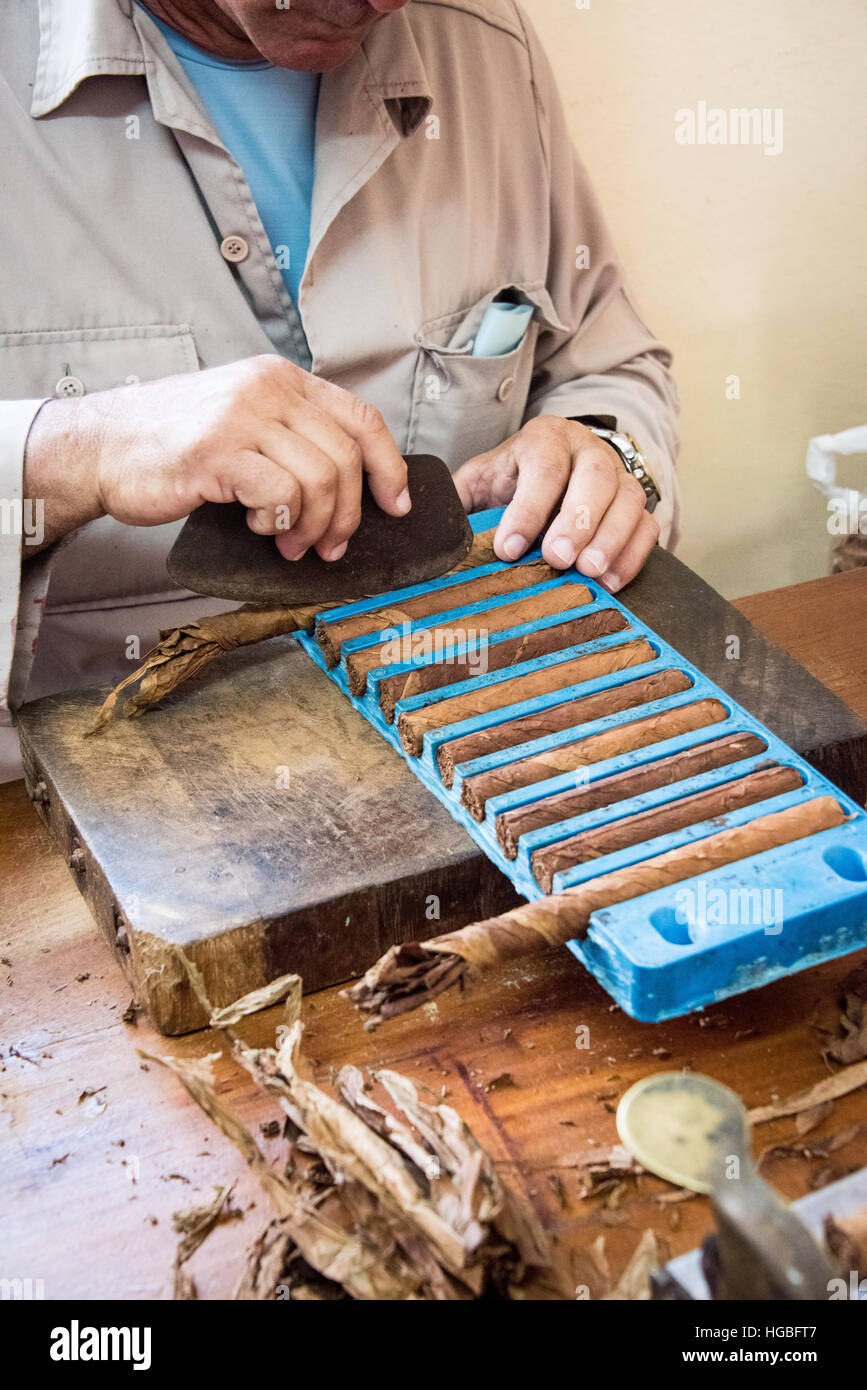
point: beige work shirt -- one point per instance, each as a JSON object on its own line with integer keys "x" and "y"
{"x": 443, "y": 175}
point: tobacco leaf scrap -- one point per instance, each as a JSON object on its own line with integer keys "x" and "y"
{"x": 851, "y": 1045}
{"x": 848, "y": 1079}
{"x": 606, "y": 1169}
{"x": 194, "y": 1225}
{"x": 372, "y": 1204}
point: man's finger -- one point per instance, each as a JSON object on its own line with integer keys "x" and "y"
{"x": 615, "y": 528}
{"x": 473, "y": 479}
{"x": 381, "y": 459}
{"x": 626, "y": 565}
{"x": 271, "y": 495}
{"x": 311, "y": 423}
{"x": 317, "y": 477}
{"x": 592, "y": 488}
{"x": 543, "y": 465}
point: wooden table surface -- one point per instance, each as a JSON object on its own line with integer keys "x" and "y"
{"x": 91, "y": 1180}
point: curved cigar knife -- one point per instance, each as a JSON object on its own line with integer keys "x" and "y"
{"x": 216, "y": 552}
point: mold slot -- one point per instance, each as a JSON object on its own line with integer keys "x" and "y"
{"x": 450, "y": 663}
{"x": 667, "y": 921}
{"x": 568, "y": 714}
{"x": 846, "y": 863}
{"x": 568, "y": 757}
{"x": 494, "y": 695}
{"x": 671, "y": 816}
{"x": 623, "y": 786}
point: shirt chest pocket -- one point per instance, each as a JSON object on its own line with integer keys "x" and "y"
{"x": 463, "y": 404}
{"x": 78, "y": 361}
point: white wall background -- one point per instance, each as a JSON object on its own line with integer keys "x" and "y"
{"x": 745, "y": 264}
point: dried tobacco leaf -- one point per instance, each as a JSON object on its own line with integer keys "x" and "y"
{"x": 276, "y": 1270}
{"x": 404, "y": 1206}
{"x": 810, "y": 1119}
{"x": 604, "y": 1169}
{"x": 287, "y": 987}
{"x": 342, "y": 1255}
{"x": 194, "y": 1225}
{"x": 183, "y": 652}
{"x": 851, "y": 1046}
{"x": 830, "y": 1088}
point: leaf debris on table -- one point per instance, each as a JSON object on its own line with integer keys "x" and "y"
{"x": 373, "y": 1202}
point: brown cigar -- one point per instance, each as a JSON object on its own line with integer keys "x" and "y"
{"x": 488, "y": 698}
{"x": 633, "y": 781}
{"x": 331, "y": 635}
{"x": 568, "y": 757}
{"x": 414, "y": 973}
{"x": 569, "y": 715}
{"x": 498, "y": 655}
{"x": 661, "y": 820}
{"x": 476, "y": 629}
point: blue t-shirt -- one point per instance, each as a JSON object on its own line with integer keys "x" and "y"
{"x": 266, "y": 118}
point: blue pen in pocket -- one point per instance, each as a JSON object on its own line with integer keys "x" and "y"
{"x": 501, "y": 329}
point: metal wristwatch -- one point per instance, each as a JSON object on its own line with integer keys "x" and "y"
{"x": 633, "y": 461}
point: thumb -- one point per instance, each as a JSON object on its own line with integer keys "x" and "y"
{"x": 472, "y": 481}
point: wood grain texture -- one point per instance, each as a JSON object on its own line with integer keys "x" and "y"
{"x": 822, "y": 625}
{"x": 77, "y": 1220}
{"x": 176, "y": 829}
{"x": 764, "y": 678}
{"x": 89, "y": 1193}
{"x": 258, "y": 822}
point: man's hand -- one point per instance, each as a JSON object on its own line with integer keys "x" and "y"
{"x": 559, "y": 475}
{"x": 289, "y": 446}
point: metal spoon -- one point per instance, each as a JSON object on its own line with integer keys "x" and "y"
{"x": 692, "y": 1130}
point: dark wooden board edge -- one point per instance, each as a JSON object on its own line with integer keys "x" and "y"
{"x": 771, "y": 685}
{"x": 302, "y": 942}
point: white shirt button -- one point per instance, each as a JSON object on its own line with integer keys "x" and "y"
{"x": 234, "y": 248}
{"x": 69, "y": 386}
{"x": 505, "y": 388}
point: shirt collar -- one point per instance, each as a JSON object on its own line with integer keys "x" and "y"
{"x": 79, "y": 39}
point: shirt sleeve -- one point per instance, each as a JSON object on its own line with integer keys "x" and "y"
{"x": 608, "y": 362}
{"x": 23, "y": 581}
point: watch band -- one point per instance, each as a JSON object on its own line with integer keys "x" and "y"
{"x": 633, "y": 460}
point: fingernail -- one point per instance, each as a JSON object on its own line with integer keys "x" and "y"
{"x": 611, "y": 581}
{"x": 513, "y": 546}
{"x": 593, "y": 562}
{"x": 289, "y": 548}
{"x": 402, "y": 502}
{"x": 336, "y": 553}
{"x": 563, "y": 549}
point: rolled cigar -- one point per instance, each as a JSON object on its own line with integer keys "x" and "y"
{"x": 410, "y": 975}
{"x": 638, "y": 733}
{"x": 475, "y": 630}
{"x": 661, "y": 820}
{"x": 511, "y": 652}
{"x": 704, "y": 757}
{"x": 558, "y": 717}
{"x": 331, "y": 636}
{"x": 412, "y": 726}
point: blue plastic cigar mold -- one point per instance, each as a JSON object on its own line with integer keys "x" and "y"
{"x": 684, "y": 946}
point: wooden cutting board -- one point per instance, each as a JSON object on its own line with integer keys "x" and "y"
{"x": 257, "y": 821}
